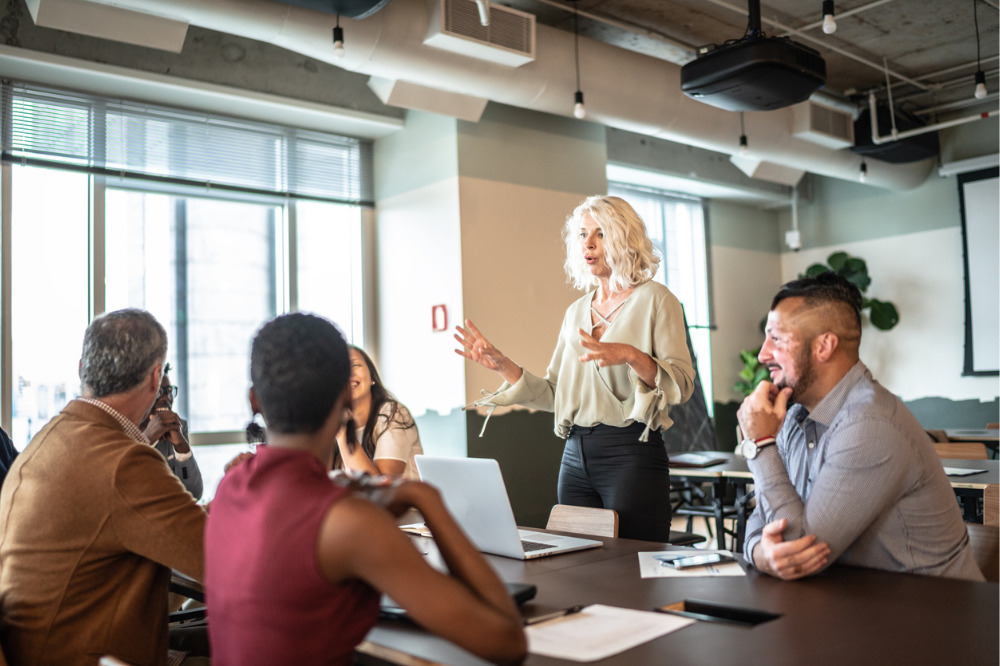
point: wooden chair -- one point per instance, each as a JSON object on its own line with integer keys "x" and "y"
{"x": 962, "y": 450}
{"x": 583, "y": 520}
{"x": 985, "y": 541}
{"x": 937, "y": 435}
{"x": 993, "y": 426}
{"x": 991, "y": 505}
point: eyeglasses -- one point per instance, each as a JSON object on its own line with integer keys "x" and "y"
{"x": 168, "y": 391}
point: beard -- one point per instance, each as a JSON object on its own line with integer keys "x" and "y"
{"x": 806, "y": 375}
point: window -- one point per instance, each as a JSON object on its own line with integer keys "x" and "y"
{"x": 676, "y": 225}
{"x": 212, "y": 224}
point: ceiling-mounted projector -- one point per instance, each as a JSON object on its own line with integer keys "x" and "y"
{"x": 756, "y": 73}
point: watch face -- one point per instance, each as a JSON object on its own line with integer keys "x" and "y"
{"x": 749, "y": 449}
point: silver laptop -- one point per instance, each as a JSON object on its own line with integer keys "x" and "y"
{"x": 474, "y": 492}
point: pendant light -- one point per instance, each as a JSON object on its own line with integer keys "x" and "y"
{"x": 829, "y": 23}
{"x": 578, "y": 109}
{"x": 744, "y": 148}
{"x": 338, "y": 40}
{"x": 980, "y": 75}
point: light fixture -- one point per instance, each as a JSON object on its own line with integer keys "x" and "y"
{"x": 484, "y": 11}
{"x": 829, "y": 23}
{"x": 863, "y": 172}
{"x": 980, "y": 75}
{"x": 578, "y": 109}
{"x": 338, "y": 40}
{"x": 744, "y": 148}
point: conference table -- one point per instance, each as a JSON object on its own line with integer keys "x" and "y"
{"x": 845, "y": 615}
{"x": 734, "y": 473}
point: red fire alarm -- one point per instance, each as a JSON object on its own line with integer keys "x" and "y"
{"x": 439, "y": 318}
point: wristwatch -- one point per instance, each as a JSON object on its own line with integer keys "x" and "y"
{"x": 751, "y": 447}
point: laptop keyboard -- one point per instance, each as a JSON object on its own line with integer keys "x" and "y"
{"x": 531, "y": 546}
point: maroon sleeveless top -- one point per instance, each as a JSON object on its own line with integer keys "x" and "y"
{"x": 267, "y": 601}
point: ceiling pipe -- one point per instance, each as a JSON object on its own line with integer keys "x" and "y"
{"x": 389, "y": 44}
{"x": 895, "y": 135}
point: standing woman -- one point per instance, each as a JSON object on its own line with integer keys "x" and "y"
{"x": 383, "y": 426}
{"x": 620, "y": 360}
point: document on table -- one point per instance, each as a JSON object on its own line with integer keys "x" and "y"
{"x": 961, "y": 471}
{"x": 651, "y": 567}
{"x": 598, "y": 632}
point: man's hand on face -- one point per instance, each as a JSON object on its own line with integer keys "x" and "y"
{"x": 165, "y": 423}
{"x": 763, "y": 411}
{"x": 788, "y": 560}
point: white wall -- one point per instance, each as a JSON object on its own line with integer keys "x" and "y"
{"x": 921, "y": 273}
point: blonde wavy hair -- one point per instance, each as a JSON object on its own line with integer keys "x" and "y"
{"x": 627, "y": 249}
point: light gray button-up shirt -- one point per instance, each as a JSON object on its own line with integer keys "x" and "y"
{"x": 861, "y": 474}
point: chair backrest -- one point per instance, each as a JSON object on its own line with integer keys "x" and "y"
{"x": 937, "y": 435}
{"x": 583, "y": 520}
{"x": 985, "y": 541}
{"x": 962, "y": 450}
{"x": 991, "y": 505}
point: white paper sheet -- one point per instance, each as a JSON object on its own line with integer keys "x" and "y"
{"x": 650, "y": 567}
{"x": 599, "y": 631}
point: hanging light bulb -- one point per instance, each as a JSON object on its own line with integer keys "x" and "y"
{"x": 744, "y": 148}
{"x": 980, "y": 84}
{"x": 338, "y": 40}
{"x": 579, "y": 111}
{"x": 980, "y": 75}
{"x": 863, "y": 172}
{"x": 829, "y": 23}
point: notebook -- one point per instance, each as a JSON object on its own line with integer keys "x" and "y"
{"x": 474, "y": 492}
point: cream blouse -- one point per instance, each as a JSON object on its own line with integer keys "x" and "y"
{"x": 584, "y": 394}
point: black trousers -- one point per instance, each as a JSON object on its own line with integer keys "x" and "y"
{"x": 609, "y": 468}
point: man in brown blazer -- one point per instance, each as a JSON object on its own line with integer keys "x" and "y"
{"x": 91, "y": 518}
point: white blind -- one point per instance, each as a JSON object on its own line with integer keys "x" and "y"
{"x": 676, "y": 225}
{"x": 116, "y": 137}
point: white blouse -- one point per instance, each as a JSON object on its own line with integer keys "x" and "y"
{"x": 394, "y": 441}
{"x": 585, "y": 394}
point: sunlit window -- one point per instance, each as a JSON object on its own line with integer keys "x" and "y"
{"x": 676, "y": 225}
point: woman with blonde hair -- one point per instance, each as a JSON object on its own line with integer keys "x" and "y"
{"x": 620, "y": 360}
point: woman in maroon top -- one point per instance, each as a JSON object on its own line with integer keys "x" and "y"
{"x": 294, "y": 561}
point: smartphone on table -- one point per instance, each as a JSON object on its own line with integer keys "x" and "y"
{"x": 690, "y": 561}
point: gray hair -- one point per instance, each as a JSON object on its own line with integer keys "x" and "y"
{"x": 119, "y": 348}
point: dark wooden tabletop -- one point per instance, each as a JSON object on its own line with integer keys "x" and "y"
{"x": 845, "y": 615}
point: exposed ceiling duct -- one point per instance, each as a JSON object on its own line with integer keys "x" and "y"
{"x": 624, "y": 89}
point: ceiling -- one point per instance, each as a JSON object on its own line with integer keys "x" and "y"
{"x": 928, "y": 46}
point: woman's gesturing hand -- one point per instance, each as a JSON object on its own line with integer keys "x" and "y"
{"x": 477, "y": 348}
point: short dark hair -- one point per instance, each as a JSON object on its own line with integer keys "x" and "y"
{"x": 119, "y": 348}
{"x": 299, "y": 366}
{"x": 827, "y": 288}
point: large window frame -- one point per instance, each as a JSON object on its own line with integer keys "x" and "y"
{"x": 292, "y": 179}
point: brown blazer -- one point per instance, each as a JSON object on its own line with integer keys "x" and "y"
{"x": 91, "y": 522}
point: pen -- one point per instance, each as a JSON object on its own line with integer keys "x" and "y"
{"x": 552, "y": 616}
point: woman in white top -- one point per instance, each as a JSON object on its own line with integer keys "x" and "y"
{"x": 620, "y": 360}
{"x": 381, "y": 424}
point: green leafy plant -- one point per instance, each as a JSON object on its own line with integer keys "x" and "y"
{"x": 882, "y": 314}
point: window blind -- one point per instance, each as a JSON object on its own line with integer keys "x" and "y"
{"x": 116, "y": 137}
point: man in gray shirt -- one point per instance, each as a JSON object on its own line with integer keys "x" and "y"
{"x": 851, "y": 477}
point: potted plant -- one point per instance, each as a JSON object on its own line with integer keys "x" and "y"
{"x": 882, "y": 314}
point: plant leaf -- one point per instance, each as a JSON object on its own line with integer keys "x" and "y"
{"x": 883, "y": 315}
{"x": 816, "y": 269}
{"x": 837, "y": 260}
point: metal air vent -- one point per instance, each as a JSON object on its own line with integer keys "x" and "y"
{"x": 823, "y": 125}
{"x": 508, "y": 40}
